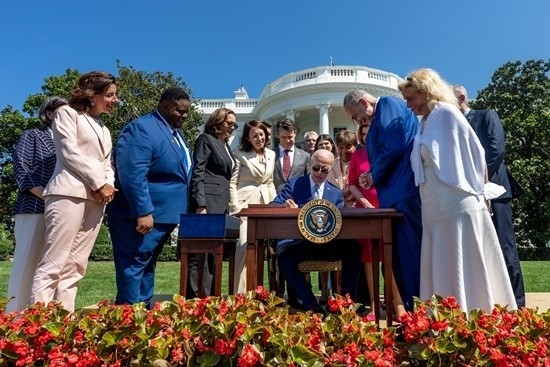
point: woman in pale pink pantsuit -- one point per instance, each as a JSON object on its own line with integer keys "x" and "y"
{"x": 80, "y": 187}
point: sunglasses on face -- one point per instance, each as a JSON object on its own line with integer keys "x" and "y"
{"x": 317, "y": 168}
{"x": 232, "y": 125}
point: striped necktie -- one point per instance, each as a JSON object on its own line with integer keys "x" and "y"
{"x": 315, "y": 192}
{"x": 286, "y": 164}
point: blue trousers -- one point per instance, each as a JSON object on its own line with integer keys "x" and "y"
{"x": 407, "y": 241}
{"x": 135, "y": 257}
{"x": 504, "y": 225}
{"x": 348, "y": 251}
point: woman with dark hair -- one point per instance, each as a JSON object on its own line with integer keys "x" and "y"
{"x": 324, "y": 141}
{"x": 33, "y": 163}
{"x": 251, "y": 183}
{"x": 79, "y": 189}
{"x": 212, "y": 168}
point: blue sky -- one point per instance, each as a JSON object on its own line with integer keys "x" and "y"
{"x": 216, "y": 46}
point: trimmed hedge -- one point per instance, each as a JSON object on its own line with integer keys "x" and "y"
{"x": 103, "y": 250}
{"x": 534, "y": 254}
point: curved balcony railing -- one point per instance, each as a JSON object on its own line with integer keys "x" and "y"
{"x": 331, "y": 74}
{"x": 238, "y": 105}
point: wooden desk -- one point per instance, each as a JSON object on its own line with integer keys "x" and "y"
{"x": 202, "y": 247}
{"x": 278, "y": 222}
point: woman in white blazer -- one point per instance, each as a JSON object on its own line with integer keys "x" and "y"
{"x": 251, "y": 183}
{"x": 81, "y": 185}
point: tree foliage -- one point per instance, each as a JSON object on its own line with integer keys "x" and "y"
{"x": 520, "y": 93}
{"x": 138, "y": 90}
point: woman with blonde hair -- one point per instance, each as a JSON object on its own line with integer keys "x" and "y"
{"x": 460, "y": 255}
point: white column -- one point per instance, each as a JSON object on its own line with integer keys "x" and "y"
{"x": 290, "y": 114}
{"x": 323, "y": 108}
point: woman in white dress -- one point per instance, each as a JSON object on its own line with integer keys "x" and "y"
{"x": 461, "y": 255}
{"x": 251, "y": 183}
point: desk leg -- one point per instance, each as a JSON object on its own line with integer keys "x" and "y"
{"x": 202, "y": 259}
{"x": 376, "y": 280}
{"x": 232, "y": 270}
{"x": 183, "y": 273}
{"x": 250, "y": 265}
{"x": 218, "y": 263}
{"x": 388, "y": 275}
{"x": 260, "y": 257}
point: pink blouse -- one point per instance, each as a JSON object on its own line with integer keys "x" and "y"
{"x": 359, "y": 164}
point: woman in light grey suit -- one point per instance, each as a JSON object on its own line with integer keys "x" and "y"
{"x": 80, "y": 187}
{"x": 251, "y": 183}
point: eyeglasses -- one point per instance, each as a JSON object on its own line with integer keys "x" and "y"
{"x": 234, "y": 126}
{"x": 317, "y": 168}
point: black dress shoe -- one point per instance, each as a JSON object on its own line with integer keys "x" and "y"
{"x": 321, "y": 310}
{"x": 362, "y": 310}
{"x": 399, "y": 336}
{"x": 294, "y": 303}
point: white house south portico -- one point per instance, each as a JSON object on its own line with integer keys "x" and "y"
{"x": 312, "y": 98}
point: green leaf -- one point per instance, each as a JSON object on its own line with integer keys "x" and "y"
{"x": 209, "y": 359}
{"x": 54, "y": 327}
{"x": 305, "y": 356}
{"x": 112, "y": 337}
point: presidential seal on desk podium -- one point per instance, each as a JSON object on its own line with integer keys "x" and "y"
{"x": 319, "y": 221}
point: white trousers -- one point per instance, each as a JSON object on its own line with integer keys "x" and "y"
{"x": 29, "y": 245}
{"x": 72, "y": 226}
{"x": 239, "y": 282}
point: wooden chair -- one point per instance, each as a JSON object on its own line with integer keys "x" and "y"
{"x": 321, "y": 266}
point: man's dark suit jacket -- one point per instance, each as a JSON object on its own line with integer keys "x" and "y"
{"x": 490, "y": 132}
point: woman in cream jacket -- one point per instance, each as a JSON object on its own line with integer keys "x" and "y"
{"x": 251, "y": 183}
{"x": 80, "y": 187}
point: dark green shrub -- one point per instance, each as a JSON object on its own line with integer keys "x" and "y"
{"x": 103, "y": 248}
{"x": 7, "y": 244}
{"x": 534, "y": 254}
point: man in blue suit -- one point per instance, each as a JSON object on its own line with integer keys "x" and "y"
{"x": 297, "y": 192}
{"x": 153, "y": 167}
{"x": 389, "y": 143}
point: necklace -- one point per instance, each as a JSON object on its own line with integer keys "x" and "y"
{"x": 344, "y": 168}
{"x": 96, "y": 124}
{"x": 422, "y": 125}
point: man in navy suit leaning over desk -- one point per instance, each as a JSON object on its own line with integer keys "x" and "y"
{"x": 297, "y": 192}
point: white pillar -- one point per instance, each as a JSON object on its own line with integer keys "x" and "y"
{"x": 323, "y": 108}
{"x": 290, "y": 114}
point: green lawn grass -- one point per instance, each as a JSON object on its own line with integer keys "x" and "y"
{"x": 99, "y": 282}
